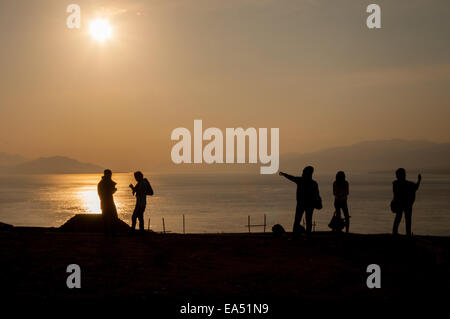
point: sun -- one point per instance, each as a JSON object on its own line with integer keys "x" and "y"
{"x": 100, "y": 30}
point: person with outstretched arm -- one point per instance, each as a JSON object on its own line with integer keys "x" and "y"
{"x": 308, "y": 198}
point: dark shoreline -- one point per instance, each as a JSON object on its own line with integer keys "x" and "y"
{"x": 173, "y": 269}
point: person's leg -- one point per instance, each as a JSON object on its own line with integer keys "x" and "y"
{"x": 346, "y": 216}
{"x": 337, "y": 208}
{"x": 397, "y": 220}
{"x": 309, "y": 214}
{"x": 408, "y": 216}
{"x": 298, "y": 218}
{"x": 141, "y": 218}
{"x": 133, "y": 218}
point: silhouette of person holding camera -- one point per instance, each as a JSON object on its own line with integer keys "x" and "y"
{"x": 140, "y": 190}
{"x": 404, "y": 197}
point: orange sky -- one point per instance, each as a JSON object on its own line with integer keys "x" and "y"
{"x": 310, "y": 68}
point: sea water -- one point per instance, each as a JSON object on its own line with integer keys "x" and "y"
{"x": 220, "y": 203}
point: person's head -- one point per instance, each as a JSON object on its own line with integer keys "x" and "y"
{"x": 138, "y": 176}
{"x": 107, "y": 173}
{"x": 308, "y": 172}
{"x": 340, "y": 177}
{"x": 400, "y": 174}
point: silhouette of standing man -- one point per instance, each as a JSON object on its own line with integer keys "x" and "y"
{"x": 404, "y": 197}
{"x": 141, "y": 190}
{"x": 106, "y": 188}
{"x": 308, "y": 198}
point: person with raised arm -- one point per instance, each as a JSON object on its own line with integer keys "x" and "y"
{"x": 404, "y": 197}
{"x": 308, "y": 198}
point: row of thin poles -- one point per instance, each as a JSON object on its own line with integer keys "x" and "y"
{"x": 164, "y": 225}
{"x": 249, "y": 225}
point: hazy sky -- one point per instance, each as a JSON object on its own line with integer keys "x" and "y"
{"x": 311, "y": 68}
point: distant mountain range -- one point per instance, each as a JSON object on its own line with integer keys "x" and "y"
{"x": 51, "y": 165}
{"x": 375, "y": 156}
{"x": 370, "y": 156}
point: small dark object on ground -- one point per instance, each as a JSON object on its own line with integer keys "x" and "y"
{"x": 300, "y": 230}
{"x": 278, "y": 230}
{"x": 337, "y": 223}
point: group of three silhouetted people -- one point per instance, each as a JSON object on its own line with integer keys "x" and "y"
{"x": 308, "y": 199}
{"x": 107, "y": 187}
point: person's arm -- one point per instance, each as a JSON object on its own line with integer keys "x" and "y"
{"x": 347, "y": 189}
{"x": 150, "y": 189}
{"x": 289, "y": 177}
{"x": 419, "y": 179}
{"x": 334, "y": 188}
{"x": 317, "y": 190}
{"x": 133, "y": 188}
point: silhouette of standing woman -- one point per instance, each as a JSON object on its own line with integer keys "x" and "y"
{"x": 106, "y": 188}
{"x": 340, "y": 192}
{"x": 308, "y": 198}
{"x": 404, "y": 197}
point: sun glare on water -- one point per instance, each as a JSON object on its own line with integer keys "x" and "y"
{"x": 90, "y": 201}
{"x": 100, "y": 30}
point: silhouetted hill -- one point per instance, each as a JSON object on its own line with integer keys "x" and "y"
{"x": 90, "y": 223}
{"x": 373, "y": 156}
{"x": 4, "y": 226}
{"x": 55, "y": 165}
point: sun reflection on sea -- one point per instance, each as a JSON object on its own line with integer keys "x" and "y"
{"x": 90, "y": 200}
